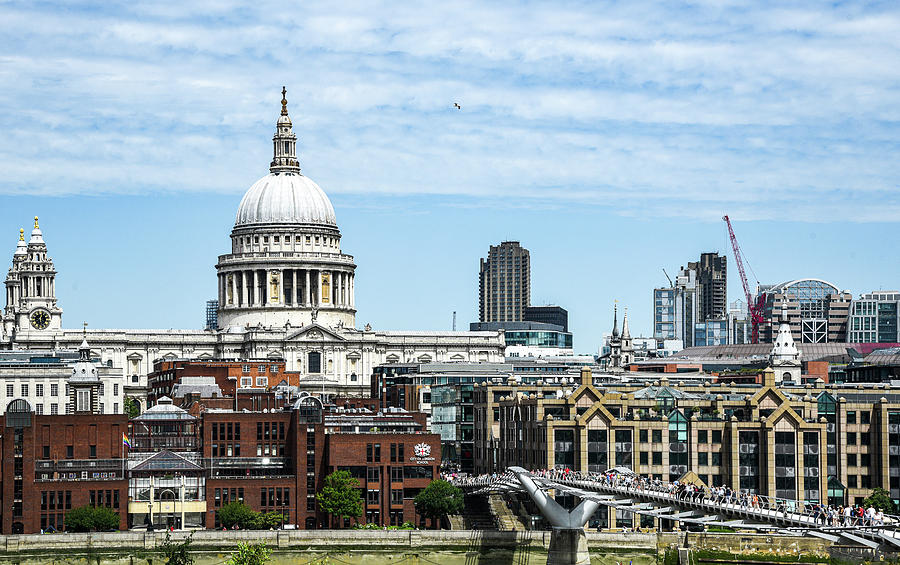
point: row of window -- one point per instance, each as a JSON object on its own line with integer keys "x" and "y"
{"x": 274, "y": 497}
{"x": 56, "y": 500}
{"x": 373, "y": 452}
{"x": 25, "y": 389}
{"x": 261, "y": 368}
{"x": 108, "y": 498}
{"x": 222, "y": 496}
{"x": 327, "y": 241}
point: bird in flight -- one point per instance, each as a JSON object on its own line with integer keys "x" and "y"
{"x": 457, "y": 106}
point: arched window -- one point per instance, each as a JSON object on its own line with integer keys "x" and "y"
{"x": 314, "y": 362}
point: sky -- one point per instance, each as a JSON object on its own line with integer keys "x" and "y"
{"x": 609, "y": 138}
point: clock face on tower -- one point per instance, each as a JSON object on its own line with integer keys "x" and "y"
{"x": 40, "y": 319}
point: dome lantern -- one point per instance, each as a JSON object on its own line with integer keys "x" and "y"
{"x": 284, "y": 158}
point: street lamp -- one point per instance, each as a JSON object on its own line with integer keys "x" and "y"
{"x": 283, "y": 504}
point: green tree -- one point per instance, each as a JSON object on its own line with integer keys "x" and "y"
{"x": 177, "y": 553}
{"x": 437, "y": 500}
{"x": 340, "y": 496}
{"x": 250, "y": 554}
{"x": 89, "y": 518}
{"x": 237, "y": 514}
{"x": 131, "y": 408}
{"x": 881, "y": 500}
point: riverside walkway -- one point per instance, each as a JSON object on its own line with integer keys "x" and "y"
{"x": 691, "y": 504}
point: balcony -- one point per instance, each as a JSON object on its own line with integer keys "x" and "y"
{"x": 78, "y": 470}
{"x": 279, "y": 256}
{"x": 247, "y": 467}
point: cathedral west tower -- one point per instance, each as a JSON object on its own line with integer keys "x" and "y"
{"x": 31, "y": 288}
{"x": 286, "y": 267}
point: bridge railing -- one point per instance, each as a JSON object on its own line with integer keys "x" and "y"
{"x": 786, "y": 511}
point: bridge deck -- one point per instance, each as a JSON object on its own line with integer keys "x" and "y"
{"x": 662, "y": 501}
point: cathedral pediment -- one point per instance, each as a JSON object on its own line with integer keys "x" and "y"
{"x": 315, "y": 332}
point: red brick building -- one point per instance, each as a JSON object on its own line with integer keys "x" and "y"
{"x": 229, "y": 375}
{"x": 186, "y": 462}
{"x": 52, "y": 464}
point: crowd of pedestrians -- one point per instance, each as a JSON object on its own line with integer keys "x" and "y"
{"x": 828, "y": 515}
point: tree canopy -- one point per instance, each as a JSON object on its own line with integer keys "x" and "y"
{"x": 90, "y": 518}
{"x": 881, "y": 500}
{"x": 340, "y": 496}
{"x": 439, "y": 499}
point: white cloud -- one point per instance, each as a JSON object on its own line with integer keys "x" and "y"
{"x": 686, "y": 109}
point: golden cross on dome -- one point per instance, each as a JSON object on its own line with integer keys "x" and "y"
{"x": 283, "y": 101}
{"x": 35, "y": 223}
{"x": 84, "y": 331}
{"x": 21, "y": 234}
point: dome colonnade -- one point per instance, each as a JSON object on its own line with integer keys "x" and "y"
{"x": 286, "y": 266}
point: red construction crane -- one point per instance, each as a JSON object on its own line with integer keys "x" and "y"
{"x": 757, "y": 307}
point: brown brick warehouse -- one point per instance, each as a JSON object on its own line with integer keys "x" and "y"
{"x": 185, "y": 463}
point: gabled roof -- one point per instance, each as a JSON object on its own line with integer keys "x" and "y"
{"x": 166, "y": 461}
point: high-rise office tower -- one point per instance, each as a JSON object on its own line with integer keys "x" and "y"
{"x": 712, "y": 288}
{"x": 504, "y": 282}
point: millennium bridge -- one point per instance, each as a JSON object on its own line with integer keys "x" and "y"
{"x": 679, "y": 502}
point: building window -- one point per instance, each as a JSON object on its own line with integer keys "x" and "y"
{"x": 262, "y": 381}
{"x": 54, "y": 390}
{"x": 39, "y": 390}
{"x": 54, "y": 409}
{"x": 83, "y": 399}
{"x": 24, "y": 389}
{"x": 245, "y": 368}
{"x": 116, "y": 389}
{"x": 314, "y": 362}
{"x": 246, "y": 382}
{"x": 702, "y": 458}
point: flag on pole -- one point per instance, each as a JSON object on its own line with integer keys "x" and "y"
{"x": 125, "y": 441}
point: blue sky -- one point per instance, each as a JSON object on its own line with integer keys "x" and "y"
{"x": 609, "y": 138}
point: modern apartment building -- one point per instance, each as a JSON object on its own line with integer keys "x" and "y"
{"x": 874, "y": 318}
{"x": 504, "y": 281}
{"x": 815, "y": 443}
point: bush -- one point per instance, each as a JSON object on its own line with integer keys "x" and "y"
{"x": 250, "y": 554}
{"x": 177, "y": 553}
{"x": 240, "y": 515}
{"x": 90, "y": 518}
{"x": 237, "y": 514}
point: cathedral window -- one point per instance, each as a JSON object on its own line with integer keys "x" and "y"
{"x": 314, "y": 362}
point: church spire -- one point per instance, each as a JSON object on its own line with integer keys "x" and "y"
{"x": 625, "y": 333}
{"x": 284, "y": 159}
{"x": 615, "y": 320}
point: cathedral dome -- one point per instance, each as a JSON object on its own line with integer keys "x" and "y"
{"x": 285, "y": 198}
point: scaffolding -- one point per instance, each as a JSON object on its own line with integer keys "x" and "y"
{"x": 212, "y": 314}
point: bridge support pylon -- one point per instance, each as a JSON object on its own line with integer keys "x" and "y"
{"x": 568, "y": 542}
